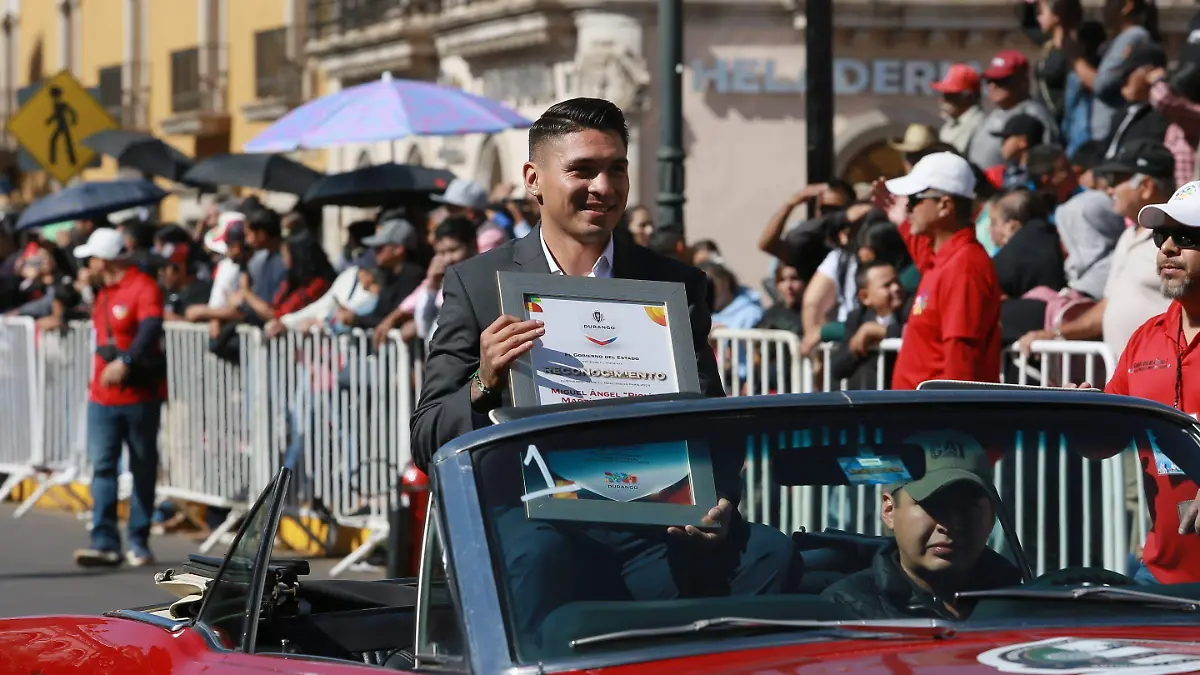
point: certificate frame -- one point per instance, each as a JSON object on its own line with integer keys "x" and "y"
{"x": 704, "y": 495}
{"x": 513, "y": 288}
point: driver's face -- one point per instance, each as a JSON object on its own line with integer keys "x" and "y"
{"x": 944, "y": 534}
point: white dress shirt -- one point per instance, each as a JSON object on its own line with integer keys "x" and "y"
{"x": 601, "y": 269}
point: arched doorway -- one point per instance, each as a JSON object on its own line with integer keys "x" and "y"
{"x": 873, "y": 161}
{"x": 414, "y": 156}
{"x": 490, "y": 171}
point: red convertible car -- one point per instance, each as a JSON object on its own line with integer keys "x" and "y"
{"x": 570, "y": 486}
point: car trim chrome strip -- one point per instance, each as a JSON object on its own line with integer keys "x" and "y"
{"x": 171, "y": 625}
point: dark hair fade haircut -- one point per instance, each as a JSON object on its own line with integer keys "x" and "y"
{"x": 575, "y": 115}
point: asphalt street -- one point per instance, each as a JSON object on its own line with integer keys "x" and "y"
{"x": 38, "y": 575}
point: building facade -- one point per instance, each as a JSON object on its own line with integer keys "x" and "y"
{"x": 743, "y": 95}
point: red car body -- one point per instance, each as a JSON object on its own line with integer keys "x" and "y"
{"x": 106, "y": 645}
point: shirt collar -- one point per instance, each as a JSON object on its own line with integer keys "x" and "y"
{"x": 954, "y": 244}
{"x": 602, "y": 268}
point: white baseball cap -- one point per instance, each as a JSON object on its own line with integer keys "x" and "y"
{"x": 941, "y": 171}
{"x": 230, "y": 226}
{"x": 105, "y": 243}
{"x": 464, "y": 193}
{"x": 1183, "y": 207}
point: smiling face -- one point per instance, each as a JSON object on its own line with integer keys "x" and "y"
{"x": 1179, "y": 267}
{"x": 581, "y": 180}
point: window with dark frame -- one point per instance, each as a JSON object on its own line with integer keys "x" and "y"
{"x": 274, "y": 75}
{"x": 185, "y": 80}
{"x": 111, "y": 91}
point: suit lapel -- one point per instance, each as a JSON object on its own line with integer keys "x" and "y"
{"x": 624, "y": 257}
{"x": 528, "y": 253}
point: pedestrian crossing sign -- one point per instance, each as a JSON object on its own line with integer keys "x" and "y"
{"x": 54, "y": 120}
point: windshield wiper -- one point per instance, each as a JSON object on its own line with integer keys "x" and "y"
{"x": 919, "y": 627}
{"x": 1104, "y": 593}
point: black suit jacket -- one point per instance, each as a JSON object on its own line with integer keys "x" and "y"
{"x": 471, "y": 302}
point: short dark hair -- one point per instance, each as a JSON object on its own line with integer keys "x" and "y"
{"x": 666, "y": 240}
{"x": 706, "y": 245}
{"x": 1043, "y": 160}
{"x": 457, "y": 228}
{"x": 266, "y": 221}
{"x": 1022, "y": 205}
{"x": 1088, "y": 155}
{"x": 846, "y": 189}
{"x": 575, "y": 115}
{"x": 860, "y": 277}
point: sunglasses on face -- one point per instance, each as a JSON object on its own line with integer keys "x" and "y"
{"x": 1184, "y": 237}
{"x": 925, "y": 196}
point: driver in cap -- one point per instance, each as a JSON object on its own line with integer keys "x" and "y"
{"x": 941, "y": 524}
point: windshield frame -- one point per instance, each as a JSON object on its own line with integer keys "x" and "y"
{"x": 490, "y": 644}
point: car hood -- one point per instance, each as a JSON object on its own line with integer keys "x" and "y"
{"x": 1151, "y": 650}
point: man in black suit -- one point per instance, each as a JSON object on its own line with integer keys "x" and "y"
{"x": 578, "y": 172}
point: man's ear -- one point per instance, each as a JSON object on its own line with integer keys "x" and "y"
{"x": 532, "y": 186}
{"x": 887, "y": 510}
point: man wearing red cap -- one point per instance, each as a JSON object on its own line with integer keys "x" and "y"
{"x": 960, "y": 106}
{"x": 1007, "y": 76}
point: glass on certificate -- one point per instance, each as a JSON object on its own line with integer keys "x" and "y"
{"x": 659, "y": 473}
{"x": 600, "y": 349}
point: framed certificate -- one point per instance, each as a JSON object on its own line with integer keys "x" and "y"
{"x": 669, "y": 483}
{"x": 605, "y": 338}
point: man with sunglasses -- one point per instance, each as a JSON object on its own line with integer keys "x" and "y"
{"x": 1161, "y": 362}
{"x": 953, "y": 328}
{"x": 1008, "y": 89}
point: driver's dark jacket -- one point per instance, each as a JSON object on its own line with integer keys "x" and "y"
{"x": 884, "y": 590}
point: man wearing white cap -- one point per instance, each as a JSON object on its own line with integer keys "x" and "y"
{"x": 1166, "y": 358}
{"x": 125, "y": 397}
{"x": 953, "y": 328}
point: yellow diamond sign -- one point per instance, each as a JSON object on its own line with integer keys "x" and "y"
{"x": 53, "y": 121}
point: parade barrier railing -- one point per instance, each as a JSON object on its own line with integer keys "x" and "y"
{"x": 20, "y": 402}
{"x": 1066, "y": 509}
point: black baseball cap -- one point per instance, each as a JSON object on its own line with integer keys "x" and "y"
{"x": 1148, "y": 54}
{"x": 1141, "y": 155}
{"x": 1023, "y": 125}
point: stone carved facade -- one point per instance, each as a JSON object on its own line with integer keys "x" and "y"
{"x": 610, "y": 72}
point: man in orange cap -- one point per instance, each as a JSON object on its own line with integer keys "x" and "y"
{"x": 960, "y": 106}
{"x": 1009, "y": 84}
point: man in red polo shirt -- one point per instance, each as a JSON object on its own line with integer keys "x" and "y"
{"x": 953, "y": 328}
{"x": 125, "y": 399}
{"x": 1160, "y": 362}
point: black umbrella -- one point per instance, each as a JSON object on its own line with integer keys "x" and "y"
{"x": 86, "y": 201}
{"x": 140, "y": 151}
{"x": 255, "y": 170}
{"x": 378, "y": 185}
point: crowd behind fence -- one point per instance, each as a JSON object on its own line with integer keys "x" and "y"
{"x": 337, "y": 409}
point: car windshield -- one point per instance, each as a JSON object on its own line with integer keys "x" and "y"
{"x": 225, "y": 601}
{"x": 579, "y": 517}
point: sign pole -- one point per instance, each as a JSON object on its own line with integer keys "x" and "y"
{"x": 670, "y": 120}
{"x": 818, "y": 80}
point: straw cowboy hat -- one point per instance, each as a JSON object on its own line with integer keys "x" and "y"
{"x": 916, "y": 137}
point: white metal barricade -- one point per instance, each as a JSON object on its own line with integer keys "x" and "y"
{"x": 64, "y": 370}
{"x": 20, "y": 409}
{"x": 338, "y": 410}
{"x": 754, "y": 362}
{"x": 205, "y": 453}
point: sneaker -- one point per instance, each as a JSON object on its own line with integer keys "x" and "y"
{"x": 139, "y": 556}
{"x": 92, "y": 557}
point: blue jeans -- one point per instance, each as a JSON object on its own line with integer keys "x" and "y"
{"x": 1144, "y": 577}
{"x": 108, "y": 428}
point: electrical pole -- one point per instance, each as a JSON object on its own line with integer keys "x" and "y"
{"x": 670, "y": 116}
{"x": 818, "y": 97}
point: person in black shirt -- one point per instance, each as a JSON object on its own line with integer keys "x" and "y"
{"x": 391, "y": 243}
{"x": 941, "y": 524}
{"x": 177, "y": 276}
{"x": 1030, "y": 252}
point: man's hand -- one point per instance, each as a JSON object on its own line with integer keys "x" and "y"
{"x": 501, "y": 343}
{"x": 895, "y": 207}
{"x": 1156, "y": 74}
{"x": 810, "y": 342}
{"x": 720, "y": 514}
{"x": 114, "y": 373}
{"x": 867, "y": 336}
{"x": 857, "y": 212}
{"x": 1027, "y": 340}
{"x": 1190, "y": 522}
{"x": 382, "y": 330}
{"x": 196, "y": 313}
{"x": 809, "y": 192}
{"x": 274, "y": 328}
{"x": 437, "y": 272}
{"x": 345, "y": 316}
